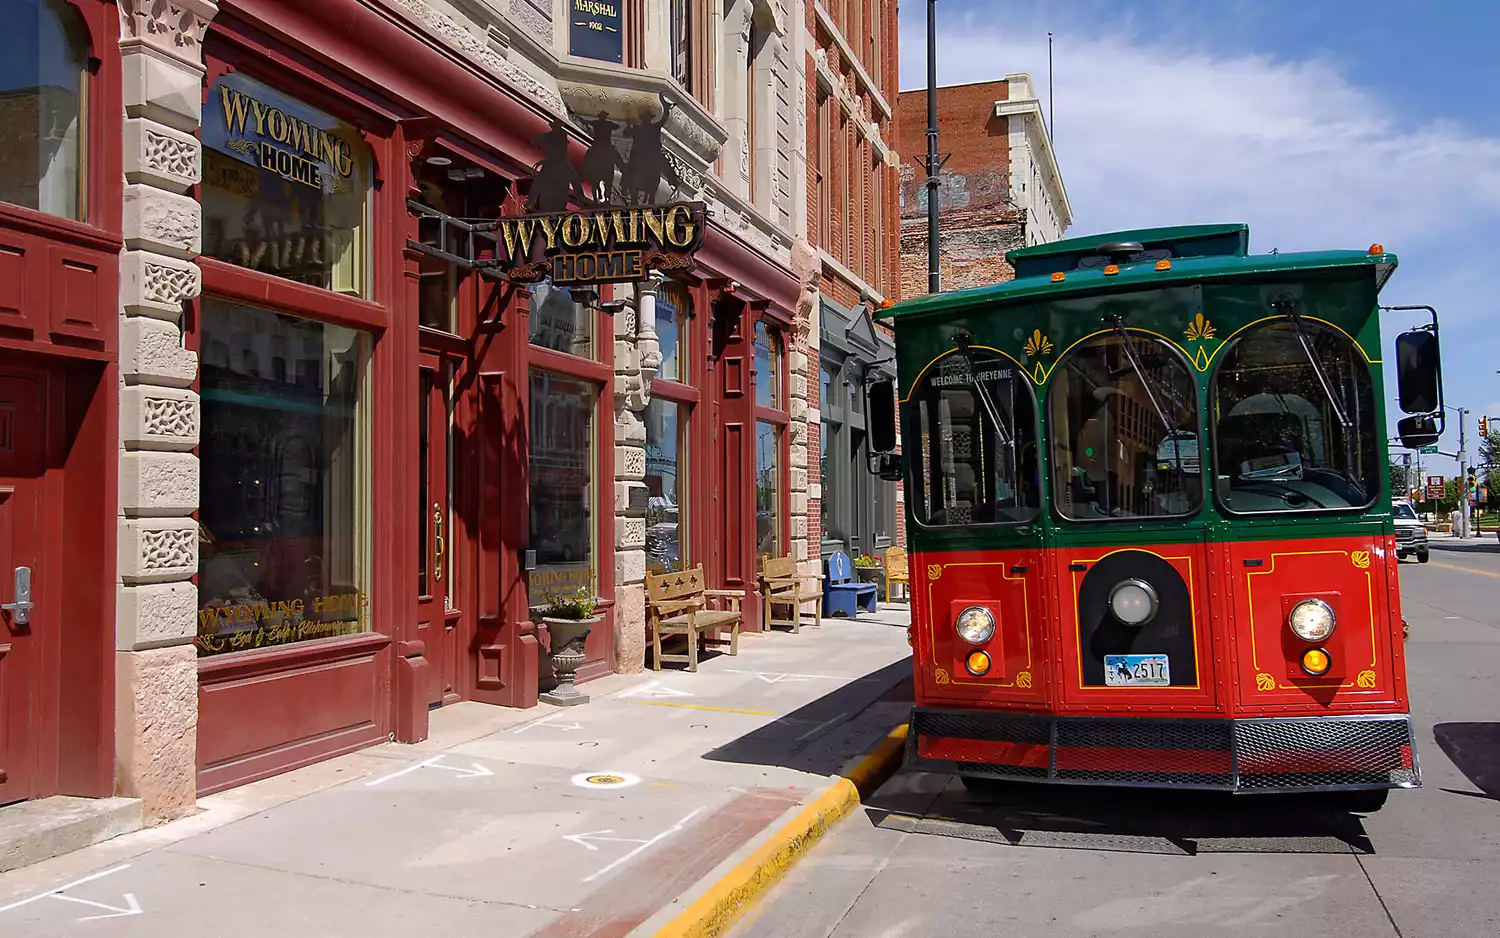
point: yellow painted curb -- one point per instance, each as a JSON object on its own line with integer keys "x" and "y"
{"x": 716, "y": 911}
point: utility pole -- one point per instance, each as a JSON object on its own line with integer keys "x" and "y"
{"x": 1463, "y": 477}
{"x": 934, "y": 274}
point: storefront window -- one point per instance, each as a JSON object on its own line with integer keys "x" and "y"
{"x": 436, "y": 293}
{"x": 562, "y": 484}
{"x": 43, "y": 56}
{"x": 767, "y": 367}
{"x": 559, "y": 322}
{"x": 666, "y": 513}
{"x": 767, "y": 489}
{"x": 285, "y": 187}
{"x": 825, "y": 480}
{"x": 671, "y": 330}
{"x": 285, "y": 462}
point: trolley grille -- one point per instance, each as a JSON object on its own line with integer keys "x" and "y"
{"x": 1271, "y": 754}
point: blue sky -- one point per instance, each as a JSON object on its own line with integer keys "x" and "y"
{"x": 1324, "y": 124}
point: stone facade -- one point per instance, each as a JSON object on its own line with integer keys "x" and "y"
{"x": 156, "y": 663}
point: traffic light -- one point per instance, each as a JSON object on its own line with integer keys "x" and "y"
{"x": 1484, "y": 428}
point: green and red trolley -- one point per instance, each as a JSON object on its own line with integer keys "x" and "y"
{"x": 1149, "y": 516}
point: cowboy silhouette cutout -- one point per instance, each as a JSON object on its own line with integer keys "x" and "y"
{"x": 556, "y": 181}
{"x": 601, "y": 159}
{"x": 647, "y": 167}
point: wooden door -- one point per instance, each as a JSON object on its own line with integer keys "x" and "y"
{"x": 437, "y": 616}
{"x": 23, "y": 426}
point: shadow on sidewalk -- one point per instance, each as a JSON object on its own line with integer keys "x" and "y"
{"x": 821, "y": 736}
{"x": 1128, "y": 820}
{"x": 1474, "y": 749}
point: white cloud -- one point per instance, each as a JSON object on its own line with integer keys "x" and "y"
{"x": 1152, "y": 135}
{"x": 1166, "y": 131}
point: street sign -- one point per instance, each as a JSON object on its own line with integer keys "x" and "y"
{"x": 1434, "y": 487}
{"x": 1429, "y": 450}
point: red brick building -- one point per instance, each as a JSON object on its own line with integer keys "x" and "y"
{"x": 1000, "y": 189}
{"x": 852, "y": 227}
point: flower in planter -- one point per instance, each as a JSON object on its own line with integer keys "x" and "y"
{"x": 577, "y": 605}
{"x": 866, "y": 561}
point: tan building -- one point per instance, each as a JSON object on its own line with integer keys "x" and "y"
{"x": 1001, "y": 188}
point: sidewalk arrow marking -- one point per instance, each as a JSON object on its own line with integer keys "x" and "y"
{"x": 583, "y": 839}
{"x": 75, "y": 883}
{"x": 646, "y": 844}
{"x": 547, "y": 721}
{"x": 434, "y": 763}
{"x": 654, "y": 689}
{"x": 132, "y": 907}
{"x": 478, "y": 771}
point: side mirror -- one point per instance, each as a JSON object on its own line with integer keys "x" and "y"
{"x": 881, "y": 417}
{"x": 887, "y": 466}
{"x": 1418, "y": 431}
{"x": 1418, "y": 372}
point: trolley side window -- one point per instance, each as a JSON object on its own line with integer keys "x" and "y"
{"x": 1294, "y": 431}
{"x": 968, "y": 469}
{"x": 1123, "y": 421}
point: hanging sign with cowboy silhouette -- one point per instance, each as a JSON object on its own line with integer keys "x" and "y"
{"x": 603, "y": 221}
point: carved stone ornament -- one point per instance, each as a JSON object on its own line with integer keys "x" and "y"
{"x": 172, "y": 285}
{"x": 165, "y": 550}
{"x": 169, "y": 416}
{"x": 444, "y": 27}
{"x": 174, "y": 25}
{"x": 170, "y": 155}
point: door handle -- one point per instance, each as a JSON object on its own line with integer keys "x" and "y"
{"x": 21, "y": 609}
{"x": 439, "y": 546}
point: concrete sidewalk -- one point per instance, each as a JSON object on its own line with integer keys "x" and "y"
{"x": 585, "y": 821}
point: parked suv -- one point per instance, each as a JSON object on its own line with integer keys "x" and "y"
{"x": 1411, "y": 534}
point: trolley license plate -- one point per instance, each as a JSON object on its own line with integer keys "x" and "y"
{"x": 1136, "y": 671}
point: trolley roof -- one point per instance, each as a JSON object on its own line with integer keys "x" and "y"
{"x": 1197, "y": 252}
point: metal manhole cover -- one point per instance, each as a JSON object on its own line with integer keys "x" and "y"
{"x": 605, "y": 780}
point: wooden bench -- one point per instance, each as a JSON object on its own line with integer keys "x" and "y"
{"x": 843, "y": 593}
{"x": 680, "y": 604}
{"x": 782, "y": 585}
{"x": 897, "y": 571}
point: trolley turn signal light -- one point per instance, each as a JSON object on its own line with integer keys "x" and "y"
{"x": 1315, "y": 661}
{"x": 978, "y": 663}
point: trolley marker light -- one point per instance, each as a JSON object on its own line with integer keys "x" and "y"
{"x": 1312, "y": 620}
{"x": 1059, "y": 277}
{"x": 978, "y": 663}
{"x": 1133, "y": 601}
{"x": 975, "y": 625}
{"x": 1111, "y": 269}
{"x": 1315, "y": 661}
{"x": 1164, "y": 265}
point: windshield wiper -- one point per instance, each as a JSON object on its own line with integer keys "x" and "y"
{"x": 1004, "y": 431}
{"x": 1140, "y": 373}
{"x": 1288, "y": 306}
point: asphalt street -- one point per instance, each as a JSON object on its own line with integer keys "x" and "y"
{"x": 1021, "y": 860}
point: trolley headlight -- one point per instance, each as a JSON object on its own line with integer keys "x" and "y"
{"x": 1312, "y": 620}
{"x": 975, "y": 625}
{"x": 1133, "y": 602}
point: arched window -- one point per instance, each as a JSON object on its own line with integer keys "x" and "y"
{"x": 1123, "y": 418}
{"x": 1294, "y": 425}
{"x": 967, "y": 468}
{"x": 43, "y": 72}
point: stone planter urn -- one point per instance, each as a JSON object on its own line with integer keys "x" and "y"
{"x": 874, "y": 575}
{"x": 567, "y": 640}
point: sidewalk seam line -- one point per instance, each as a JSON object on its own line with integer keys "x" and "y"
{"x": 1378, "y": 897}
